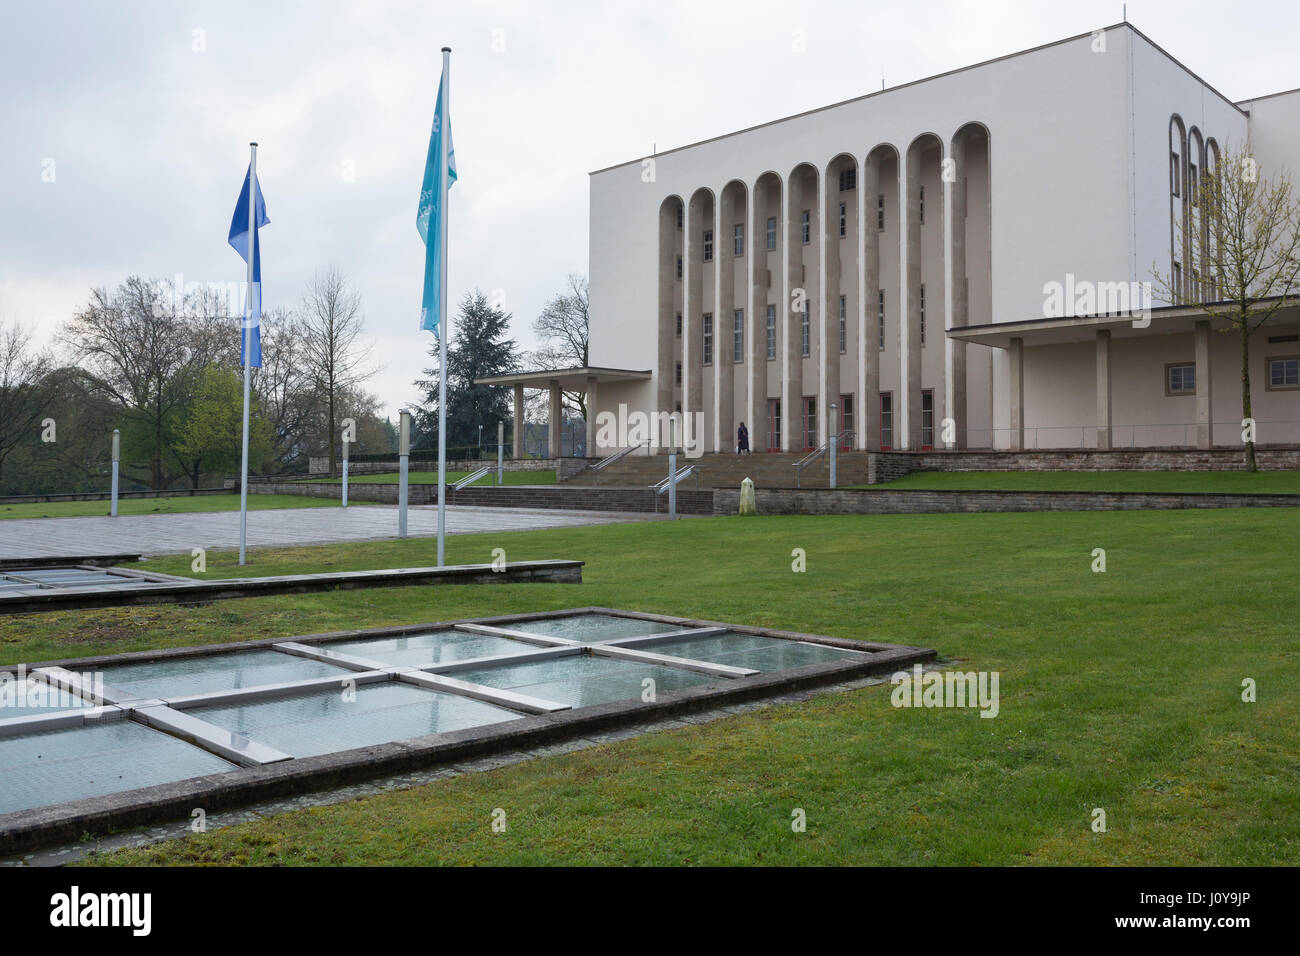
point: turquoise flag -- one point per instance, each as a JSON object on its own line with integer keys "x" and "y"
{"x": 428, "y": 221}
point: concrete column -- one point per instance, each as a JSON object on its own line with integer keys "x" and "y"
{"x": 553, "y": 421}
{"x": 958, "y": 310}
{"x": 789, "y": 319}
{"x": 1204, "y": 392}
{"x": 868, "y": 404}
{"x": 693, "y": 310}
{"x": 723, "y": 432}
{"x": 828, "y": 351}
{"x": 1016, "y": 383}
{"x": 756, "y": 348}
{"x": 908, "y": 403}
{"x": 1103, "y": 390}
{"x": 590, "y": 399}
{"x": 519, "y": 422}
{"x": 666, "y": 366}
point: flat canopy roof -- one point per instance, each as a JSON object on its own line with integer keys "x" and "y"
{"x": 573, "y": 379}
{"x": 1167, "y": 320}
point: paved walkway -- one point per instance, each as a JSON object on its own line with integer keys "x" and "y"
{"x": 219, "y": 530}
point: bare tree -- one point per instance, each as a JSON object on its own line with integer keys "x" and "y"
{"x": 1243, "y": 256}
{"x": 137, "y": 341}
{"x": 335, "y": 357}
{"x": 284, "y": 385}
{"x": 22, "y": 371}
{"x": 563, "y": 328}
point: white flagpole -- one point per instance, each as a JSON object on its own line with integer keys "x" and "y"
{"x": 443, "y": 138}
{"x": 246, "y": 334}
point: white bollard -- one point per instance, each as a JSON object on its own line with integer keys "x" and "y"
{"x": 117, "y": 456}
{"x": 748, "y": 504}
{"x": 404, "y": 451}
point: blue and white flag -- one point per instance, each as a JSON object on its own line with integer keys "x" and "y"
{"x": 250, "y": 340}
{"x": 428, "y": 220}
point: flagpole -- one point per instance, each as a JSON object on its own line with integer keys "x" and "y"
{"x": 247, "y": 343}
{"x": 445, "y": 180}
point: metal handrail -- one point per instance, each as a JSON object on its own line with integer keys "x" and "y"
{"x": 618, "y": 456}
{"x": 471, "y": 478}
{"x": 684, "y": 472}
{"x": 802, "y": 463}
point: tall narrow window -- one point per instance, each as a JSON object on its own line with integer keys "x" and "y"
{"x": 738, "y": 336}
{"x": 921, "y": 204}
{"x": 805, "y": 226}
{"x": 880, "y": 317}
{"x": 844, "y": 324}
{"x": 738, "y": 239}
{"x": 844, "y": 220}
{"x": 679, "y": 267}
{"x": 927, "y": 418}
{"x": 680, "y": 216}
{"x": 846, "y": 413}
{"x": 805, "y": 332}
{"x": 1178, "y": 283}
{"x": 708, "y": 245}
{"x": 771, "y": 332}
{"x": 922, "y": 304}
{"x": 679, "y": 325}
{"x": 706, "y": 352}
{"x": 880, "y": 212}
{"x": 771, "y": 232}
{"x": 1175, "y": 173}
{"x": 679, "y": 373}
{"x": 886, "y": 420}
{"x": 848, "y": 179}
{"x": 1193, "y": 183}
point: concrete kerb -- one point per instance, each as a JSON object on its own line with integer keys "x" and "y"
{"x": 26, "y": 829}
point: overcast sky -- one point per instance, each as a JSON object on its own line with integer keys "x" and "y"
{"x": 143, "y": 112}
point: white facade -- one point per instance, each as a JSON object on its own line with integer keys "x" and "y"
{"x": 1051, "y": 165}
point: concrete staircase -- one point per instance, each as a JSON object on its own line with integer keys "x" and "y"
{"x": 768, "y": 470}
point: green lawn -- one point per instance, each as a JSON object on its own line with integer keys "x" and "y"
{"x": 160, "y": 506}
{"x": 1118, "y": 690}
{"x": 431, "y": 478}
{"x": 1261, "y": 482}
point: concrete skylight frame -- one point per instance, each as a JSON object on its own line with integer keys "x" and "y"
{"x": 262, "y": 771}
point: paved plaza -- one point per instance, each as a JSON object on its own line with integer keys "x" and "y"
{"x": 181, "y": 533}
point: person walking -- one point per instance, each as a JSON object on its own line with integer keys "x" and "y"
{"x": 742, "y": 440}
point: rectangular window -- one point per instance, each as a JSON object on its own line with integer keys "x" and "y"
{"x": 848, "y": 179}
{"x": 679, "y": 325}
{"x": 880, "y": 212}
{"x": 927, "y": 418}
{"x": 805, "y": 332}
{"x": 1175, "y": 173}
{"x": 922, "y": 305}
{"x": 886, "y": 420}
{"x": 771, "y": 333}
{"x": 706, "y": 353}
{"x": 1178, "y": 283}
{"x": 1284, "y": 372}
{"x": 679, "y": 267}
{"x": 738, "y": 336}
{"x": 805, "y": 226}
{"x": 679, "y": 373}
{"x": 681, "y": 210}
{"x": 708, "y": 245}
{"x": 844, "y": 220}
{"x": 1180, "y": 379}
{"x": 738, "y": 239}
{"x": 1193, "y": 184}
{"x": 844, "y": 324}
{"x": 921, "y": 204}
{"x": 771, "y": 232}
{"x": 880, "y": 318}
{"x": 846, "y": 413}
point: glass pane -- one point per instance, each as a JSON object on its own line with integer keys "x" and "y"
{"x": 201, "y": 675}
{"x": 584, "y": 681}
{"x": 418, "y": 650}
{"x": 592, "y": 627}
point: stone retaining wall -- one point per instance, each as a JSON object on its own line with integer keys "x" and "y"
{"x": 881, "y": 501}
{"x": 689, "y": 501}
{"x": 887, "y": 465}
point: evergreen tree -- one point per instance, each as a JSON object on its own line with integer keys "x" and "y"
{"x": 478, "y": 349}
